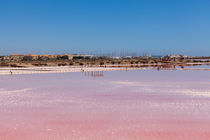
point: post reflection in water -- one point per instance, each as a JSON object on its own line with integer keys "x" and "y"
{"x": 94, "y": 73}
{"x": 162, "y": 67}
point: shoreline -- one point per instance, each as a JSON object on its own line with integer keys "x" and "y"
{"x": 58, "y": 69}
{"x": 66, "y": 69}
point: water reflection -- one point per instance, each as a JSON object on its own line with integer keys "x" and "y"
{"x": 94, "y": 73}
{"x": 181, "y": 66}
{"x": 162, "y": 67}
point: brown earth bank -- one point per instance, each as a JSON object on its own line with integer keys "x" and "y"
{"x": 106, "y": 63}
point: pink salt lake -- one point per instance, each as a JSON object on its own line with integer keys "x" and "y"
{"x": 122, "y": 105}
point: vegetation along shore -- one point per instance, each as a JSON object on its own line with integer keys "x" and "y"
{"x": 31, "y": 60}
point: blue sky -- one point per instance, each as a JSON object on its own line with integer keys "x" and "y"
{"x": 156, "y": 27}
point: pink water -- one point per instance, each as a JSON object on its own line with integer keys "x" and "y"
{"x": 132, "y": 105}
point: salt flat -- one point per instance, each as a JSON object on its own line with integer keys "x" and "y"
{"x": 125, "y": 105}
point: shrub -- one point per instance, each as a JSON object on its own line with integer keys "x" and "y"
{"x": 71, "y": 63}
{"x": 101, "y": 63}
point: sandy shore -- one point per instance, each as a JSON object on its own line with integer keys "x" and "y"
{"x": 64, "y": 69}
{"x": 58, "y": 69}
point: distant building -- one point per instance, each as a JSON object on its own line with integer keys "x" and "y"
{"x": 69, "y": 56}
{"x": 6, "y": 58}
{"x": 53, "y": 57}
{"x": 30, "y": 57}
{"x": 66, "y": 56}
{"x": 88, "y": 56}
{"x": 82, "y": 56}
{"x": 115, "y": 57}
{"x": 43, "y": 57}
{"x": 127, "y": 57}
{"x": 15, "y": 57}
{"x": 146, "y": 56}
{"x": 174, "y": 57}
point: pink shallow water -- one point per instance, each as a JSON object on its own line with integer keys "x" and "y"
{"x": 132, "y": 105}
